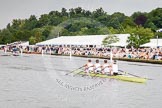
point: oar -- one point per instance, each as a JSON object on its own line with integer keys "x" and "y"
{"x": 73, "y": 70}
{"x": 129, "y": 73}
{"x": 85, "y": 73}
{"x": 133, "y": 75}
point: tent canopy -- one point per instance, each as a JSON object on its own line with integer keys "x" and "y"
{"x": 84, "y": 40}
{"x": 159, "y": 30}
{"x": 122, "y": 41}
{"x": 24, "y": 43}
{"x": 153, "y": 43}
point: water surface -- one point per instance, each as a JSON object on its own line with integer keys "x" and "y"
{"x": 35, "y": 81}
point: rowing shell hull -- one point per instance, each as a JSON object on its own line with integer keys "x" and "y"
{"x": 118, "y": 77}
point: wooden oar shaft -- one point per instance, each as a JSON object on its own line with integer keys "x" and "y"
{"x": 74, "y": 70}
{"x": 135, "y": 75}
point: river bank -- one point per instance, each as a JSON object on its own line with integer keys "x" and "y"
{"x": 103, "y": 57}
{"x": 122, "y": 59}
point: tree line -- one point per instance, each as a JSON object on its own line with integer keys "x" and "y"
{"x": 77, "y": 21}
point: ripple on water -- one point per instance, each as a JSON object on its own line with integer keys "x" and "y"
{"x": 28, "y": 81}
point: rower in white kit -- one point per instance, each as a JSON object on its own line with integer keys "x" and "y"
{"x": 106, "y": 67}
{"x": 89, "y": 66}
{"x": 97, "y": 67}
{"x": 114, "y": 68}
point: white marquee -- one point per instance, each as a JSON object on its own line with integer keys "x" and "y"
{"x": 84, "y": 40}
{"x": 153, "y": 43}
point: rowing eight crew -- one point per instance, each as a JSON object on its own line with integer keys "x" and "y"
{"x": 105, "y": 68}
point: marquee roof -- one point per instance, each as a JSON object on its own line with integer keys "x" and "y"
{"x": 153, "y": 43}
{"x": 84, "y": 40}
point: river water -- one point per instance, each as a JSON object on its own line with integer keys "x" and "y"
{"x": 36, "y": 81}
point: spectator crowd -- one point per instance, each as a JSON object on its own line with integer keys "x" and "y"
{"x": 118, "y": 52}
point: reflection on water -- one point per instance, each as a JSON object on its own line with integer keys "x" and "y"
{"x": 30, "y": 82}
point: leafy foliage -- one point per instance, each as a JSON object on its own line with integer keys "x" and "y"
{"x": 110, "y": 39}
{"x": 77, "y": 21}
{"x": 139, "y": 36}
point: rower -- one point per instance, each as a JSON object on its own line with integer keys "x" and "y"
{"x": 14, "y": 51}
{"x": 114, "y": 68}
{"x": 106, "y": 67}
{"x": 89, "y": 66}
{"x": 97, "y": 67}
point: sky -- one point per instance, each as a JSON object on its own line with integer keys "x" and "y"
{"x": 21, "y": 9}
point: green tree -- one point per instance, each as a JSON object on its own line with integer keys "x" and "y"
{"x": 46, "y": 31}
{"x": 55, "y": 32}
{"x": 36, "y": 36}
{"x": 113, "y": 31}
{"x": 31, "y": 23}
{"x": 104, "y": 30}
{"x": 110, "y": 39}
{"x": 32, "y": 40}
{"x": 78, "y": 21}
{"x": 159, "y": 34}
{"x": 64, "y": 12}
{"x": 16, "y": 23}
{"x": 116, "y": 19}
{"x": 128, "y": 22}
{"x": 139, "y": 18}
{"x": 6, "y": 36}
{"x": 43, "y": 20}
{"x": 154, "y": 19}
{"x": 98, "y": 12}
{"x": 139, "y": 36}
{"x": 21, "y": 35}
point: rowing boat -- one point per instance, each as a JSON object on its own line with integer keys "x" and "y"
{"x": 118, "y": 77}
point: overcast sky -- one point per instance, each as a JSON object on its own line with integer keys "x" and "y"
{"x": 20, "y": 9}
